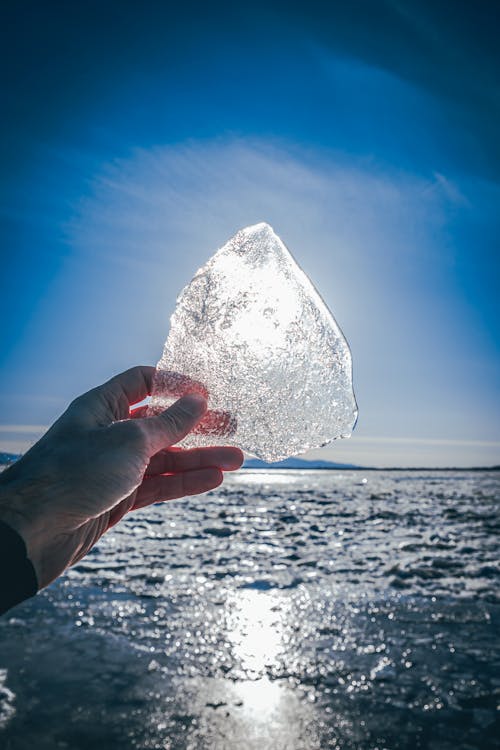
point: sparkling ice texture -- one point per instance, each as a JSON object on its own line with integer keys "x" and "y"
{"x": 252, "y": 329}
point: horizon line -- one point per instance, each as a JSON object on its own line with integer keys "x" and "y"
{"x": 33, "y": 428}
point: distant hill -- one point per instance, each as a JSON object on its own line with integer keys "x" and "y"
{"x": 296, "y": 463}
{"x": 8, "y": 458}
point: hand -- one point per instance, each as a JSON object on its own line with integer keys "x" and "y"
{"x": 96, "y": 464}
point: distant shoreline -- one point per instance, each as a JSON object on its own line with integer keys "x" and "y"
{"x": 300, "y": 463}
{"x": 313, "y": 467}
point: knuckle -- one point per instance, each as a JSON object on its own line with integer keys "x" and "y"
{"x": 132, "y": 435}
{"x": 175, "y": 420}
{"x": 138, "y": 435}
{"x": 78, "y": 403}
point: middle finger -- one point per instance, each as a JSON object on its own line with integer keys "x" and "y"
{"x": 170, "y": 461}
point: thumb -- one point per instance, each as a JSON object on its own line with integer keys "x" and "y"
{"x": 174, "y": 423}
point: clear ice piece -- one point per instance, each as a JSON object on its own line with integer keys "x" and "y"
{"x": 255, "y": 333}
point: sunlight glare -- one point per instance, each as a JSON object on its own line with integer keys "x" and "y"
{"x": 260, "y": 698}
{"x": 256, "y": 621}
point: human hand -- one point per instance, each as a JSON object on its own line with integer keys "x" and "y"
{"x": 96, "y": 464}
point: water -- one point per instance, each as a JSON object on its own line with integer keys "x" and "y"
{"x": 286, "y": 610}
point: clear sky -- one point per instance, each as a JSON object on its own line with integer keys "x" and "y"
{"x": 137, "y": 137}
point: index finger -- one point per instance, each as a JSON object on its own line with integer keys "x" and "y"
{"x": 142, "y": 381}
{"x": 168, "y": 384}
{"x": 133, "y": 385}
{"x": 110, "y": 401}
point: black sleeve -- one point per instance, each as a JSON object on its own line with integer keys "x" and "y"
{"x": 17, "y": 574}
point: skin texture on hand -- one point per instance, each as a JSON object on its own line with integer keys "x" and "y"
{"x": 101, "y": 460}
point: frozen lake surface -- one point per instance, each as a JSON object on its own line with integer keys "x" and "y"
{"x": 286, "y": 610}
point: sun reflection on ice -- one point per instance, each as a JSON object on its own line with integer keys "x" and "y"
{"x": 255, "y": 631}
{"x": 256, "y": 622}
{"x": 260, "y": 698}
{"x": 261, "y": 477}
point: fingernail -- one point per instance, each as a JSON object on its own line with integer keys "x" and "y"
{"x": 231, "y": 465}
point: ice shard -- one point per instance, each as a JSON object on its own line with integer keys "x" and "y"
{"x": 253, "y": 331}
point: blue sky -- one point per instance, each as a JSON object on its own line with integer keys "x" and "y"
{"x": 135, "y": 141}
